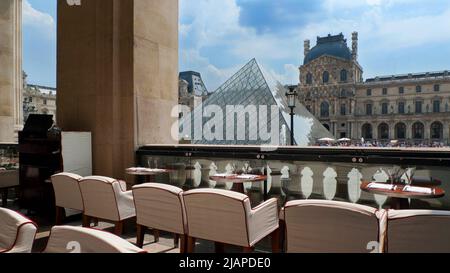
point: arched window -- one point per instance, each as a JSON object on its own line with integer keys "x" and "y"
{"x": 383, "y": 131}
{"x": 367, "y": 132}
{"x": 437, "y": 130}
{"x": 400, "y": 131}
{"x": 325, "y": 109}
{"x": 309, "y": 78}
{"x": 343, "y": 75}
{"x": 418, "y": 130}
{"x": 326, "y": 77}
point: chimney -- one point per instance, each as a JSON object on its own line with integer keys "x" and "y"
{"x": 307, "y": 46}
{"x": 355, "y": 45}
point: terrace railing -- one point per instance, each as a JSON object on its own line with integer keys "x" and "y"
{"x": 300, "y": 173}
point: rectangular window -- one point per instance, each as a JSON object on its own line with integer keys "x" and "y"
{"x": 436, "y": 106}
{"x": 368, "y": 109}
{"x": 401, "y": 107}
{"x": 437, "y": 88}
{"x": 369, "y": 92}
{"x": 384, "y": 109}
{"x": 385, "y": 91}
{"x": 418, "y": 89}
{"x": 45, "y": 102}
{"x": 343, "y": 110}
{"x": 418, "y": 107}
{"x": 401, "y": 90}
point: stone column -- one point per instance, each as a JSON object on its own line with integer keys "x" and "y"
{"x": 446, "y": 128}
{"x": 117, "y": 76}
{"x": 392, "y": 130}
{"x": 11, "y": 112}
{"x": 409, "y": 134}
{"x": 427, "y": 128}
{"x": 375, "y": 131}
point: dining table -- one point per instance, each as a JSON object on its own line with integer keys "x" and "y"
{"x": 148, "y": 174}
{"x": 401, "y": 193}
{"x": 238, "y": 181}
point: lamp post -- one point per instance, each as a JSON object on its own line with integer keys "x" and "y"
{"x": 292, "y": 100}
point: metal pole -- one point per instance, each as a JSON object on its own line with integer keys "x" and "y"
{"x": 292, "y": 126}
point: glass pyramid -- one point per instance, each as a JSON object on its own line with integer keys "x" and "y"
{"x": 250, "y": 109}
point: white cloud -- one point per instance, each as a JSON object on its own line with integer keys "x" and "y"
{"x": 38, "y": 20}
{"x": 215, "y": 76}
{"x": 217, "y": 23}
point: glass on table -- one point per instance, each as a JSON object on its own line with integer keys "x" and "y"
{"x": 394, "y": 173}
{"x": 152, "y": 163}
{"x": 410, "y": 172}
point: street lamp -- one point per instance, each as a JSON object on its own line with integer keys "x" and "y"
{"x": 292, "y": 100}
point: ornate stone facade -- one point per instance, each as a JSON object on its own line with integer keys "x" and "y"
{"x": 191, "y": 89}
{"x": 410, "y": 108}
{"x": 39, "y": 100}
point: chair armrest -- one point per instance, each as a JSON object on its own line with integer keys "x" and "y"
{"x": 263, "y": 220}
{"x": 123, "y": 185}
{"x": 25, "y": 239}
{"x": 125, "y": 202}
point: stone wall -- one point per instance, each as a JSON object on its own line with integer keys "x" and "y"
{"x": 10, "y": 69}
{"x": 117, "y": 76}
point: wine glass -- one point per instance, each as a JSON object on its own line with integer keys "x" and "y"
{"x": 152, "y": 163}
{"x": 246, "y": 169}
{"x": 410, "y": 175}
{"x": 234, "y": 168}
{"x": 393, "y": 173}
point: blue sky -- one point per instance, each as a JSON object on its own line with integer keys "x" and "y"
{"x": 219, "y": 36}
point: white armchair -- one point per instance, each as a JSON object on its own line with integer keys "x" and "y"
{"x": 160, "y": 207}
{"x": 68, "y": 239}
{"x": 17, "y": 232}
{"x": 67, "y": 194}
{"x": 320, "y": 226}
{"x": 417, "y": 231}
{"x": 8, "y": 179}
{"x": 105, "y": 198}
{"x": 226, "y": 217}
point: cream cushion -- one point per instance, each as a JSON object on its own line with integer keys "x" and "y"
{"x": 68, "y": 239}
{"x": 161, "y": 207}
{"x": 317, "y": 226}
{"x": 17, "y": 232}
{"x": 418, "y": 231}
{"x": 105, "y": 198}
{"x": 67, "y": 191}
{"x": 227, "y": 217}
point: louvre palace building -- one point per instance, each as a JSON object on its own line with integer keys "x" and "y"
{"x": 411, "y": 108}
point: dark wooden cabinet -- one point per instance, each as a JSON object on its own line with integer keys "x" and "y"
{"x": 40, "y": 157}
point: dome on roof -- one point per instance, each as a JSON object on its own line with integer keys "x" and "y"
{"x": 331, "y": 45}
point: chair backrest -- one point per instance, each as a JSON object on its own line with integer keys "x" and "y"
{"x": 68, "y": 239}
{"x": 12, "y": 227}
{"x": 99, "y": 197}
{"x": 67, "y": 191}
{"x": 218, "y": 215}
{"x": 9, "y": 178}
{"x": 418, "y": 231}
{"x": 318, "y": 226}
{"x": 161, "y": 207}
